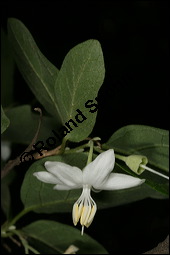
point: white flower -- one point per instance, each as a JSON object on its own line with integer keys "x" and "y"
{"x": 96, "y": 174}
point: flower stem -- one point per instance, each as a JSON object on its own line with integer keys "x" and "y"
{"x": 123, "y": 158}
{"x": 90, "y": 156}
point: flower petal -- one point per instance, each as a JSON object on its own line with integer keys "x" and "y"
{"x": 68, "y": 175}
{"x": 97, "y": 171}
{"x": 120, "y": 181}
{"x": 47, "y": 177}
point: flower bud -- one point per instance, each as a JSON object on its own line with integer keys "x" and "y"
{"x": 134, "y": 162}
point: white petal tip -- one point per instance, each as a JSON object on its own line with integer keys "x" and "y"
{"x": 142, "y": 181}
{"x": 46, "y": 163}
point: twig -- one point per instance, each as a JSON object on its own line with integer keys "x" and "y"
{"x": 12, "y": 163}
{"x": 15, "y": 241}
{"x": 46, "y": 153}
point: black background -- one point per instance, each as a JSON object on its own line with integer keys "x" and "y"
{"x": 134, "y": 40}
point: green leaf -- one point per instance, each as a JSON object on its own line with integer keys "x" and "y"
{"x": 5, "y": 193}
{"x": 42, "y": 198}
{"x": 58, "y": 237}
{"x": 144, "y": 140}
{"x": 155, "y": 186}
{"x": 24, "y": 124}
{"x": 7, "y": 71}
{"x": 69, "y": 95}
{"x": 4, "y": 121}
{"x": 80, "y": 78}
{"x": 39, "y": 73}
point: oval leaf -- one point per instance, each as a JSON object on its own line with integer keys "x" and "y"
{"x": 58, "y": 237}
{"x": 39, "y": 73}
{"x": 81, "y": 76}
{"x": 139, "y": 139}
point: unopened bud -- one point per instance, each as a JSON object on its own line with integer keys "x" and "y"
{"x": 134, "y": 163}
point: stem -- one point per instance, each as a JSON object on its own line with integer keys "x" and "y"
{"x": 153, "y": 171}
{"x": 33, "y": 250}
{"x": 4, "y": 235}
{"x": 24, "y": 242}
{"x": 77, "y": 148}
{"x": 16, "y": 218}
{"x": 90, "y": 156}
{"x": 63, "y": 145}
{"x": 97, "y": 149}
{"x": 123, "y": 158}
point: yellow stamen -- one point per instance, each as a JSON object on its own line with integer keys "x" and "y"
{"x": 75, "y": 214}
{"x": 91, "y": 216}
{"x": 85, "y": 214}
{"x": 84, "y": 209}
